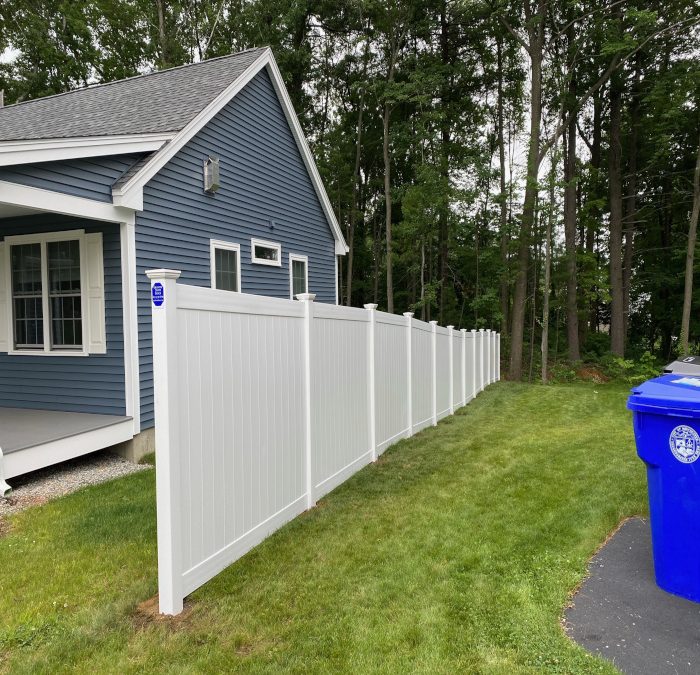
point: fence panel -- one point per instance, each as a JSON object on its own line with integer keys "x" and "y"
{"x": 422, "y": 374}
{"x": 391, "y": 376}
{"x": 339, "y": 394}
{"x": 443, "y": 371}
{"x": 458, "y": 372}
{"x": 264, "y": 405}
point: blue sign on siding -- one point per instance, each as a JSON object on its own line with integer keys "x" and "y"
{"x": 158, "y": 294}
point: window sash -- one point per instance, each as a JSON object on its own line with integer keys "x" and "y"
{"x": 298, "y": 277}
{"x": 265, "y": 252}
{"x": 226, "y": 269}
{"x": 225, "y": 265}
{"x": 57, "y": 313}
{"x": 27, "y": 296}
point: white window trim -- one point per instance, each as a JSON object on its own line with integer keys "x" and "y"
{"x": 43, "y": 239}
{"x": 266, "y": 244}
{"x": 298, "y": 258}
{"x": 228, "y": 246}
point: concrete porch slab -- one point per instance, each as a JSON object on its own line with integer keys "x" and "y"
{"x": 22, "y": 428}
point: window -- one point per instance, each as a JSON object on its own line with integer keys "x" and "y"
{"x": 51, "y": 282}
{"x": 265, "y": 252}
{"x": 298, "y": 274}
{"x": 225, "y": 266}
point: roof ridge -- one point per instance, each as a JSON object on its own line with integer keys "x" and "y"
{"x": 133, "y": 77}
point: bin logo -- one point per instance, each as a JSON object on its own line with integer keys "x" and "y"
{"x": 685, "y": 444}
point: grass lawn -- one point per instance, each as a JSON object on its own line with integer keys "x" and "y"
{"x": 456, "y": 552}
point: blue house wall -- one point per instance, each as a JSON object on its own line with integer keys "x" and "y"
{"x": 90, "y": 178}
{"x": 93, "y": 383}
{"x": 265, "y": 193}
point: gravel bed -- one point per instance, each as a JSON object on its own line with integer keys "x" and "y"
{"x": 39, "y": 487}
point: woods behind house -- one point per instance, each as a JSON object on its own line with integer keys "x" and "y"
{"x": 529, "y": 166}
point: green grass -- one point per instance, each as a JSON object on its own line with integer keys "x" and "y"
{"x": 456, "y": 552}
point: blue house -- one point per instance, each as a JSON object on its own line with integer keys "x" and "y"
{"x": 203, "y": 168}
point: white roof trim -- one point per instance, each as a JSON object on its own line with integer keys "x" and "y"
{"x": 130, "y": 194}
{"x": 53, "y": 149}
{"x": 49, "y": 201}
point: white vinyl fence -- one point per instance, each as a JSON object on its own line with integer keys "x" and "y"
{"x": 264, "y": 405}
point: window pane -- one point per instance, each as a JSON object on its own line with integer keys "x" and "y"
{"x": 298, "y": 277}
{"x": 226, "y": 269}
{"x": 266, "y": 252}
{"x": 26, "y": 295}
{"x": 64, "y": 293}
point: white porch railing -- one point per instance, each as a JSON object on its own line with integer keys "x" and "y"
{"x": 264, "y": 405}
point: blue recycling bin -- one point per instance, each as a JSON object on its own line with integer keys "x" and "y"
{"x": 666, "y": 413}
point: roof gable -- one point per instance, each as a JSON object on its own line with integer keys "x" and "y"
{"x": 156, "y": 103}
{"x": 129, "y": 190}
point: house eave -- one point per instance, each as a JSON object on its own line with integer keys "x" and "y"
{"x": 130, "y": 193}
{"x": 14, "y": 153}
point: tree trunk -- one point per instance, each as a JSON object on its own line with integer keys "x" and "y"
{"x": 444, "y": 162}
{"x": 631, "y": 197}
{"x": 387, "y": 202}
{"x": 503, "y": 197}
{"x": 529, "y": 204}
{"x": 572, "y": 331}
{"x": 690, "y": 259}
{"x": 570, "y": 240}
{"x": 162, "y": 35}
{"x": 353, "y": 208}
{"x": 617, "y": 319}
{"x": 547, "y": 273}
{"x": 594, "y": 218}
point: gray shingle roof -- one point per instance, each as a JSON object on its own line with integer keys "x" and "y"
{"x": 159, "y": 102}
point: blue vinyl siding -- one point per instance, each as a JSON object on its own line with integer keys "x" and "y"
{"x": 91, "y": 178}
{"x": 263, "y": 181}
{"x": 92, "y": 383}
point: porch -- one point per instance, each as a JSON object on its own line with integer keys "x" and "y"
{"x": 31, "y": 439}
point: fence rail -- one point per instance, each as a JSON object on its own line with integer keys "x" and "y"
{"x": 264, "y": 405}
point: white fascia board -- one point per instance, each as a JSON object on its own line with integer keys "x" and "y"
{"x": 131, "y": 193}
{"x": 49, "y": 201}
{"x": 13, "y": 153}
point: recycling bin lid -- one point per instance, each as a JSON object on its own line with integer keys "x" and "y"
{"x": 672, "y": 394}
{"x": 688, "y": 365}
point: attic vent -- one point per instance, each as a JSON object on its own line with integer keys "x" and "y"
{"x": 211, "y": 175}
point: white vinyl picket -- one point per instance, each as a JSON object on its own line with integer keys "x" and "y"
{"x": 264, "y": 405}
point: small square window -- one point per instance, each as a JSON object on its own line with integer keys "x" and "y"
{"x": 265, "y": 252}
{"x": 226, "y": 266}
{"x": 298, "y": 274}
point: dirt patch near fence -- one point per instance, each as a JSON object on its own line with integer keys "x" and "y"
{"x": 591, "y": 374}
{"x": 147, "y": 614}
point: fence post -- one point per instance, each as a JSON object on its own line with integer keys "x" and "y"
{"x": 165, "y": 368}
{"x": 493, "y": 356}
{"x": 463, "y": 333}
{"x": 308, "y": 300}
{"x": 450, "y": 336}
{"x": 498, "y": 357}
{"x": 409, "y": 368}
{"x": 487, "y": 333}
{"x": 474, "y": 362}
{"x": 433, "y": 351}
{"x": 482, "y": 360}
{"x": 372, "y": 308}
